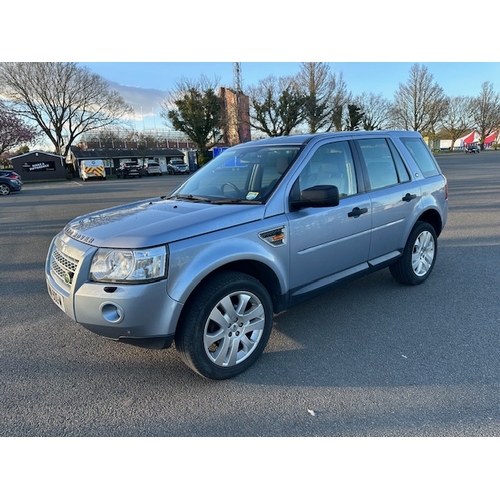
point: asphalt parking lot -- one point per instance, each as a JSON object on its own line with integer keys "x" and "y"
{"x": 372, "y": 359}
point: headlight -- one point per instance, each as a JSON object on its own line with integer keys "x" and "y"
{"x": 133, "y": 266}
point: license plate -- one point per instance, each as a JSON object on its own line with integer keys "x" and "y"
{"x": 56, "y": 297}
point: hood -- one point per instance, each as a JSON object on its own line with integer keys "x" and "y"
{"x": 157, "y": 221}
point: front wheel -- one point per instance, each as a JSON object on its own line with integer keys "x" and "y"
{"x": 419, "y": 256}
{"x": 226, "y": 326}
{"x": 4, "y": 189}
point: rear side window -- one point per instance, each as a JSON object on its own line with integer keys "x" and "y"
{"x": 422, "y": 156}
{"x": 383, "y": 163}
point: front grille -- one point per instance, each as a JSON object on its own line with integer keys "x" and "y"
{"x": 63, "y": 266}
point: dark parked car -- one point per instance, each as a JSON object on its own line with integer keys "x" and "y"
{"x": 9, "y": 181}
{"x": 472, "y": 148}
{"x": 129, "y": 169}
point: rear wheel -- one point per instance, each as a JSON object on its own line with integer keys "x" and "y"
{"x": 226, "y": 326}
{"x": 4, "y": 189}
{"x": 419, "y": 256}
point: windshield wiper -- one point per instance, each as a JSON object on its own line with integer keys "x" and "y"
{"x": 190, "y": 197}
{"x": 219, "y": 201}
{"x": 228, "y": 201}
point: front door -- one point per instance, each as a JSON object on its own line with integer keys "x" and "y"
{"x": 330, "y": 243}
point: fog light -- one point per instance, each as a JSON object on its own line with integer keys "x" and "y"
{"x": 112, "y": 313}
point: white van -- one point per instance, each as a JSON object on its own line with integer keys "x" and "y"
{"x": 92, "y": 169}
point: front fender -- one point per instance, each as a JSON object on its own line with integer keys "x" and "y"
{"x": 192, "y": 260}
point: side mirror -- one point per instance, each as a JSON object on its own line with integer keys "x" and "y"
{"x": 317, "y": 197}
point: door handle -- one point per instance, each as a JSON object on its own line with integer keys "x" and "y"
{"x": 409, "y": 197}
{"x": 356, "y": 212}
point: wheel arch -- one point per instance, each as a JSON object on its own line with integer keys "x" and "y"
{"x": 256, "y": 269}
{"x": 432, "y": 217}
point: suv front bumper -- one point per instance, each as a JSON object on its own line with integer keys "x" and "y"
{"x": 116, "y": 311}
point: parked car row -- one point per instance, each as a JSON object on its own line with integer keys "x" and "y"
{"x": 9, "y": 181}
{"x": 134, "y": 169}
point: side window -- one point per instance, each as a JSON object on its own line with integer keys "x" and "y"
{"x": 383, "y": 167}
{"x": 332, "y": 165}
{"x": 274, "y": 167}
{"x": 422, "y": 156}
{"x": 403, "y": 174}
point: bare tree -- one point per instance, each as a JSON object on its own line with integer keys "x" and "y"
{"x": 418, "y": 104}
{"x": 64, "y": 99}
{"x": 457, "y": 119}
{"x": 326, "y": 96}
{"x": 276, "y": 106}
{"x": 376, "y": 110}
{"x": 486, "y": 111}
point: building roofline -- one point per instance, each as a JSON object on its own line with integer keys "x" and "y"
{"x": 36, "y": 151}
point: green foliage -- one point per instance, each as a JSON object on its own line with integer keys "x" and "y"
{"x": 198, "y": 114}
{"x": 355, "y": 117}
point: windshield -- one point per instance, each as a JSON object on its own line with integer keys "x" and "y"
{"x": 242, "y": 174}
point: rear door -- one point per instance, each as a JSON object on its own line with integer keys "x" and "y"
{"x": 327, "y": 244}
{"x": 394, "y": 196}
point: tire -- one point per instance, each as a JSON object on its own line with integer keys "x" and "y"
{"x": 419, "y": 256}
{"x": 213, "y": 338}
{"x": 4, "y": 189}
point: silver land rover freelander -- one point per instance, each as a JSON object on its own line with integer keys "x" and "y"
{"x": 261, "y": 227}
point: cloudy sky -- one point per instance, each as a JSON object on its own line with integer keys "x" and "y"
{"x": 146, "y": 84}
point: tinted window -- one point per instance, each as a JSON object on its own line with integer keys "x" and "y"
{"x": 422, "y": 155}
{"x": 384, "y": 165}
{"x": 332, "y": 165}
{"x": 380, "y": 165}
{"x": 403, "y": 174}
